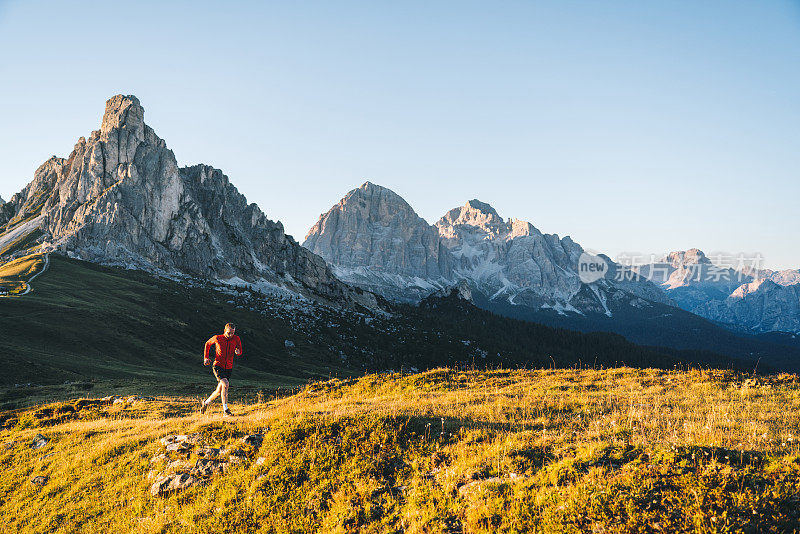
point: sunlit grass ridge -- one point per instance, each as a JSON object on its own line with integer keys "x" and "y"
{"x": 617, "y": 450}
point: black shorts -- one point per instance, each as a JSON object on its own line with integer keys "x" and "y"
{"x": 221, "y": 373}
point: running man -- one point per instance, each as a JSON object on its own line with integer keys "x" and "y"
{"x": 227, "y": 345}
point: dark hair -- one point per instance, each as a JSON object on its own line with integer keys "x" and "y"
{"x": 231, "y": 326}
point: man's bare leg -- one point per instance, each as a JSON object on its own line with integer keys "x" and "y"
{"x": 217, "y": 393}
{"x": 224, "y": 385}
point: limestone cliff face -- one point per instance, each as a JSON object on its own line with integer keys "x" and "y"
{"x": 373, "y": 238}
{"x": 120, "y": 198}
{"x": 512, "y": 260}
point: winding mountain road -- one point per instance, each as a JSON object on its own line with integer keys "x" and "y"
{"x": 28, "y": 283}
{"x": 32, "y": 278}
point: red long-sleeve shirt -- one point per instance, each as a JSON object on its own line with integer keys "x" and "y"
{"x": 226, "y": 348}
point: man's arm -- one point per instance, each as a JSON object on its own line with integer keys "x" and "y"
{"x": 239, "y": 350}
{"x": 210, "y": 343}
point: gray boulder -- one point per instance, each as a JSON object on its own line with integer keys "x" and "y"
{"x": 208, "y": 467}
{"x": 167, "y": 484}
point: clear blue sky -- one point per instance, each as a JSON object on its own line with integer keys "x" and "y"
{"x": 631, "y": 126}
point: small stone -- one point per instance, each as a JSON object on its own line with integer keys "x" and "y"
{"x": 178, "y": 447}
{"x": 172, "y": 438}
{"x": 208, "y": 452}
{"x": 194, "y": 439}
{"x": 237, "y": 456}
{"x": 39, "y": 441}
{"x": 260, "y": 460}
{"x": 475, "y": 484}
{"x": 208, "y": 468}
{"x": 186, "y": 439}
{"x": 178, "y": 466}
{"x": 40, "y": 480}
{"x": 253, "y": 440}
{"x": 170, "y": 483}
{"x": 119, "y": 401}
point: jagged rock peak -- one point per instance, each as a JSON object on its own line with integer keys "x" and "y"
{"x": 370, "y": 186}
{"x": 369, "y": 190}
{"x": 686, "y": 257}
{"x": 480, "y": 217}
{"x": 123, "y": 111}
{"x": 756, "y": 285}
{"x": 483, "y": 207}
{"x": 372, "y": 202}
{"x": 473, "y": 213}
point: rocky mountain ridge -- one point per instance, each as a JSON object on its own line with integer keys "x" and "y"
{"x": 120, "y": 198}
{"x": 505, "y": 260}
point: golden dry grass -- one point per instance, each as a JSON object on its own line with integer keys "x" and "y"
{"x": 618, "y": 450}
{"x": 15, "y": 274}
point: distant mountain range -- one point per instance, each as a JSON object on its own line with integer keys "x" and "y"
{"x": 742, "y": 299}
{"x": 373, "y": 239}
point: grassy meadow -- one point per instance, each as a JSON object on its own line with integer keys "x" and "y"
{"x": 614, "y": 450}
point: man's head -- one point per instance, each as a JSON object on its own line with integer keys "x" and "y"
{"x": 230, "y": 329}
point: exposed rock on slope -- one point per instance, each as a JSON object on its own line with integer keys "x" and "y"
{"x": 120, "y": 198}
{"x": 787, "y": 277}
